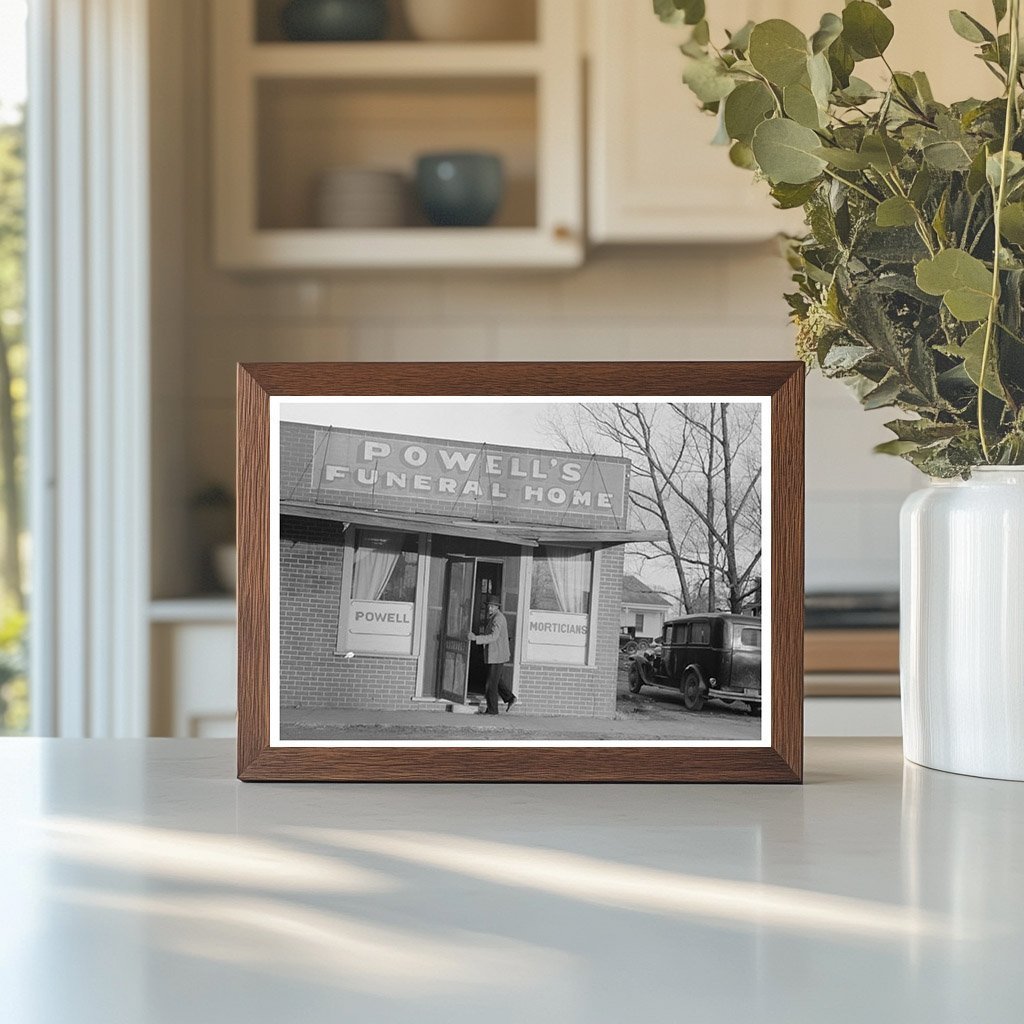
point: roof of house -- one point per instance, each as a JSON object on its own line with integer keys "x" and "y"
{"x": 635, "y": 592}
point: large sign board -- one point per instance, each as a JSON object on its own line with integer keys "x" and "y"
{"x": 380, "y": 618}
{"x": 559, "y": 629}
{"x": 468, "y": 478}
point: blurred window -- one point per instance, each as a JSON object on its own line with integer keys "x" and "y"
{"x": 14, "y": 548}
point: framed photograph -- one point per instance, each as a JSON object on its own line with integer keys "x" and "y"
{"x": 520, "y": 572}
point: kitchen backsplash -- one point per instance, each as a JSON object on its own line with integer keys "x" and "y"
{"x": 705, "y": 303}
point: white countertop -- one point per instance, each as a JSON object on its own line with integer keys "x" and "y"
{"x": 143, "y": 885}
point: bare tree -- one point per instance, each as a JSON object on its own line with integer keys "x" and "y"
{"x": 695, "y": 473}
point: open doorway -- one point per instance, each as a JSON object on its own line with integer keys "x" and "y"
{"x": 462, "y": 666}
{"x": 487, "y": 581}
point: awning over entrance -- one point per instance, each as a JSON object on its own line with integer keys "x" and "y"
{"x": 523, "y": 534}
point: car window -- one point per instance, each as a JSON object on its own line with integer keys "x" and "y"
{"x": 700, "y": 633}
{"x": 679, "y": 633}
{"x": 750, "y": 637}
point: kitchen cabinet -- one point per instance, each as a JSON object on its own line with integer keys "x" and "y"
{"x": 193, "y": 669}
{"x": 653, "y": 175}
{"x": 287, "y": 113}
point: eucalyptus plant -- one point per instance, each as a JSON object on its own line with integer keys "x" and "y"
{"x": 910, "y": 278}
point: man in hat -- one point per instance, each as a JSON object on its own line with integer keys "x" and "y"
{"x": 495, "y": 639}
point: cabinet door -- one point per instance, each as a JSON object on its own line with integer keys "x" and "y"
{"x": 654, "y": 177}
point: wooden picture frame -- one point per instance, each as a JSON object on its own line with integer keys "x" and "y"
{"x": 779, "y": 760}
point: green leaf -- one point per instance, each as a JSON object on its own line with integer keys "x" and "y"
{"x": 858, "y": 91}
{"x": 883, "y": 153}
{"x": 676, "y": 12}
{"x": 789, "y": 197}
{"x": 830, "y": 29}
{"x": 841, "y": 60}
{"x": 939, "y": 220}
{"x": 742, "y": 155}
{"x": 963, "y": 281}
{"x": 906, "y": 88}
{"x": 924, "y": 87}
{"x": 922, "y": 185}
{"x": 844, "y": 159}
{"x": 708, "y": 80}
{"x": 969, "y": 28}
{"x": 923, "y": 431}
{"x": 785, "y": 152}
{"x": 745, "y": 108}
{"x": 946, "y": 156}
{"x": 885, "y": 394}
{"x": 896, "y": 447}
{"x": 896, "y": 212}
{"x": 1012, "y": 225}
{"x": 994, "y": 169}
{"x": 971, "y": 352}
{"x": 778, "y": 50}
{"x": 739, "y": 41}
{"x": 800, "y": 105}
{"x": 976, "y": 174}
{"x": 866, "y": 29}
{"x": 820, "y": 76}
{"x": 999, "y": 6}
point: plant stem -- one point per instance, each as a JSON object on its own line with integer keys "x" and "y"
{"x": 1000, "y": 199}
{"x": 923, "y": 228}
{"x": 856, "y": 188}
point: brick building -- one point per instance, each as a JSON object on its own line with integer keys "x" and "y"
{"x": 390, "y": 545}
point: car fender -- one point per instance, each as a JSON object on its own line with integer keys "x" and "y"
{"x": 645, "y": 669}
{"x": 700, "y": 676}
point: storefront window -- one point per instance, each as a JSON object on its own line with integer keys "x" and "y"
{"x": 381, "y": 609}
{"x": 560, "y": 591}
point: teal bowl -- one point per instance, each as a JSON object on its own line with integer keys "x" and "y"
{"x": 334, "y": 21}
{"x": 460, "y": 190}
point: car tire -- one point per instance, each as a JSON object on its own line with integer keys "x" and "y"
{"x": 631, "y": 648}
{"x": 755, "y": 710}
{"x": 635, "y": 682}
{"x": 693, "y": 691}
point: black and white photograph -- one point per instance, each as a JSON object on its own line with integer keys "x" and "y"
{"x": 510, "y": 571}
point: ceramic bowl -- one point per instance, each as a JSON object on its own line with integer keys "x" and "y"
{"x": 334, "y": 20}
{"x": 358, "y": 197}
{"x": 460, "y": 189}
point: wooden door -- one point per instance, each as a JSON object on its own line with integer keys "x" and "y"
{"x": 456, "y": 623}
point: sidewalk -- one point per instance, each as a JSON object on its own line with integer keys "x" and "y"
{"x": 633, "y": 723}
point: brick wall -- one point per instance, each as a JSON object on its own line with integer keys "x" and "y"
{"x": 312, "y": 674}
{"x": 582, "y": 689}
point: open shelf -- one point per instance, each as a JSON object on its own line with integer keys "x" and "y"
{"x": 393, "y": 60}
{"x": 287, "y": 113}
{"x": 520, "y": 17}
{"x": 308, "y": 127}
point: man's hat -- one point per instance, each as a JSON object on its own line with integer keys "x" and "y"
{"x": 494, "y": 599}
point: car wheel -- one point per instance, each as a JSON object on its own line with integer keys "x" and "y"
{"x": 693, "y": 692}
{"x": 631, "y": 648}
{"x": 755, "y": 709}
{"x": 635, "y": 682}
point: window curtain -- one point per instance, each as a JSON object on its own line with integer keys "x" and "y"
{"x": 376, "y": 558}
{"x": 570, "y": 573}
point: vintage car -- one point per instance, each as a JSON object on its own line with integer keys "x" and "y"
{"x": 705, "y": 656}
{"x": 629, "y": 642}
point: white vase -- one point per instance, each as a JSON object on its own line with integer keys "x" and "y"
{"x": 962, "y": 624}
